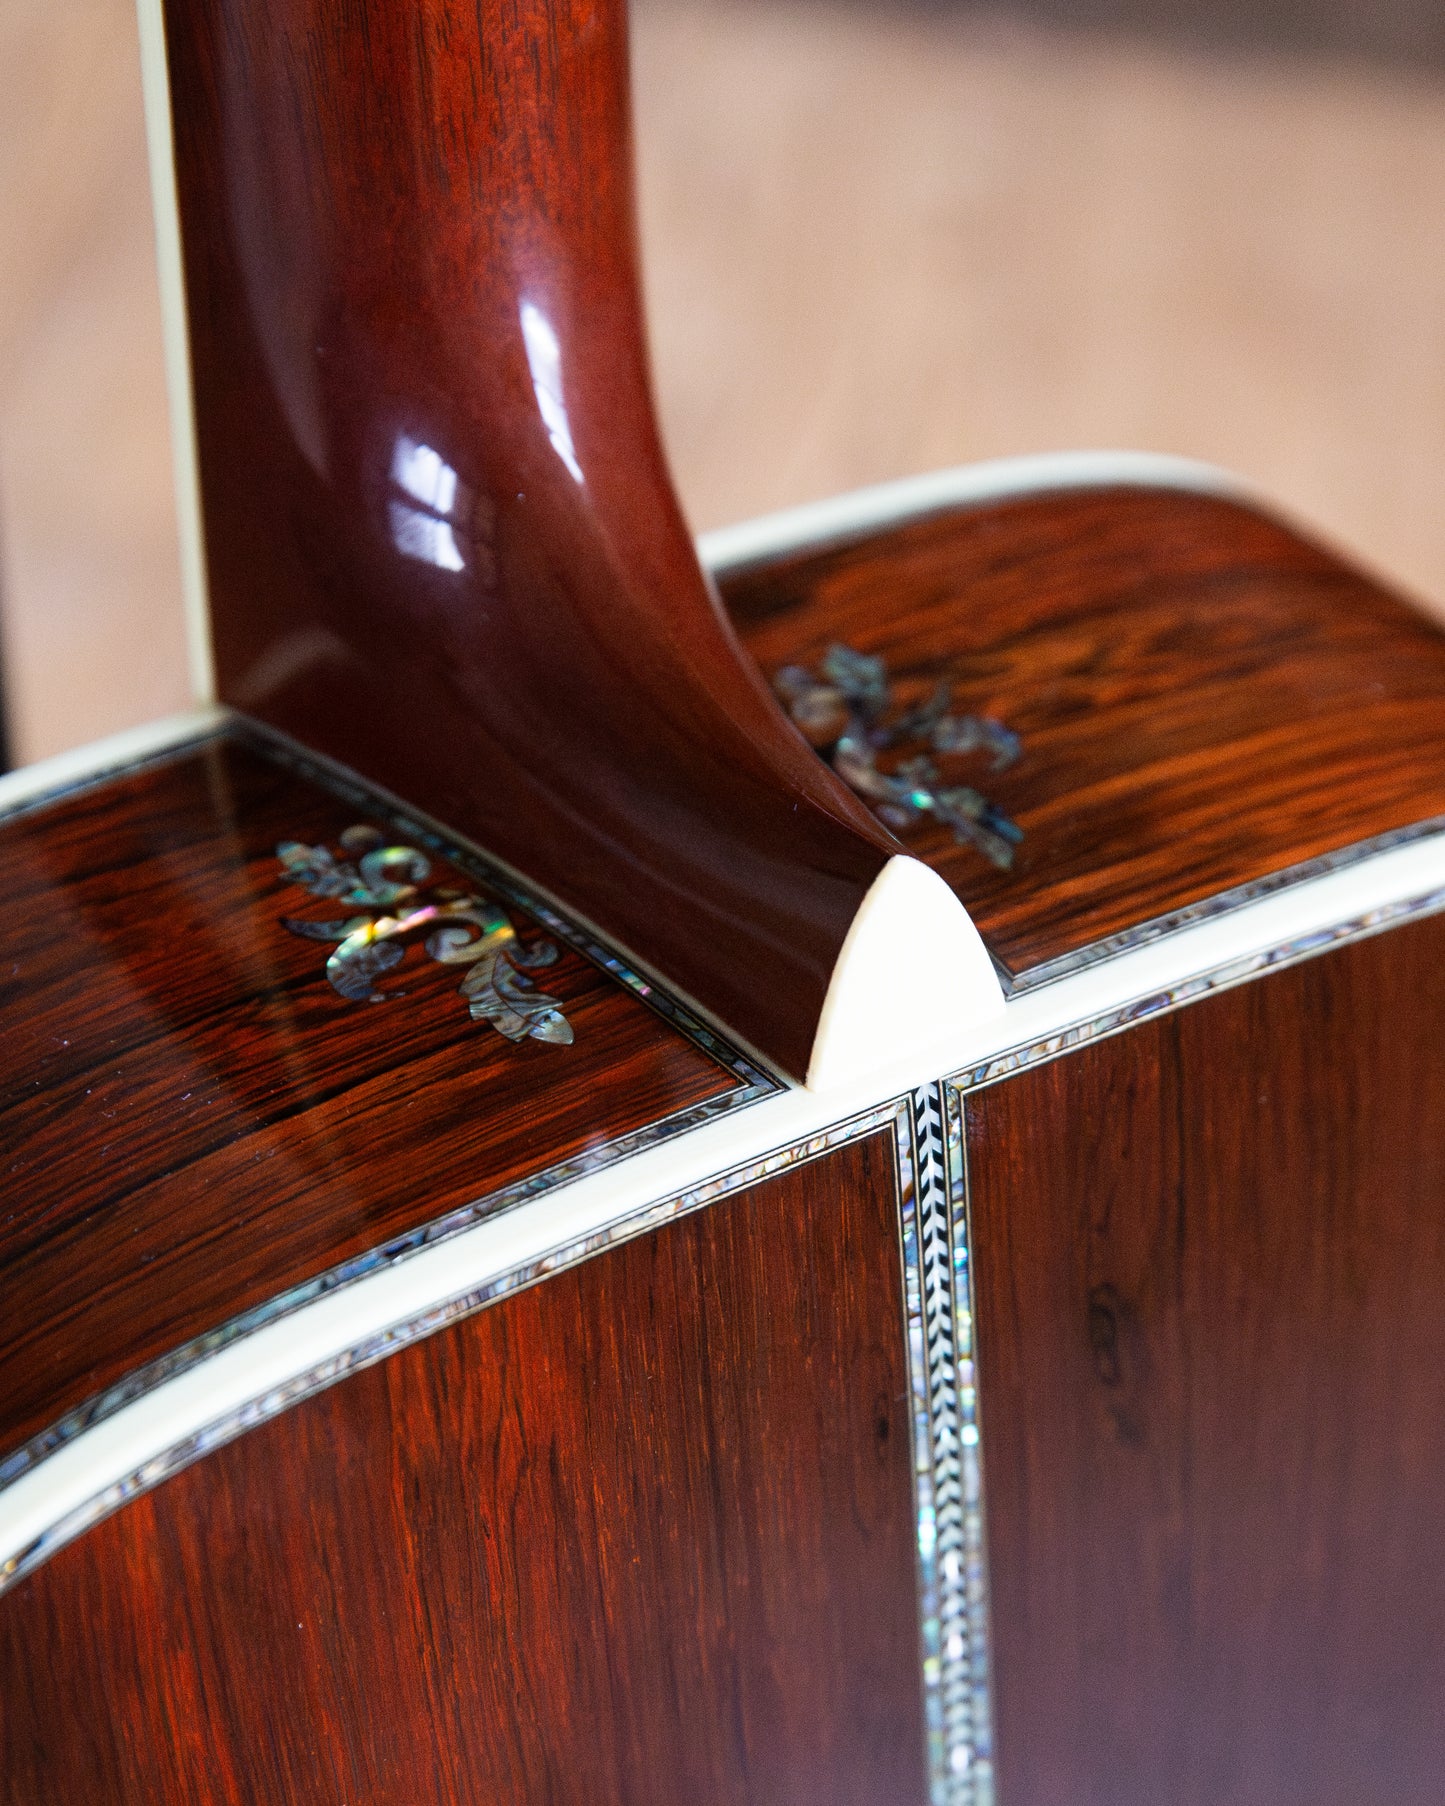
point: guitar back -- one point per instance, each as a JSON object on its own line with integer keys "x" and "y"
{"x": 560, "y": 1241}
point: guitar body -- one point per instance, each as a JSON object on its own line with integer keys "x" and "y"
{"x": 552, "y": 1247}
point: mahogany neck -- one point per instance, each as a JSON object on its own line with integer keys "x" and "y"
{"x": 441, "y": 541}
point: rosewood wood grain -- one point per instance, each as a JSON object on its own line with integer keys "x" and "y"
{"x": 194, "y": 1121}
{"x": 1209, "y": 1271}
{"x": 641, "y": 1534}
{"x": 1205, "y": 698}
{"x": 441, "y": 541}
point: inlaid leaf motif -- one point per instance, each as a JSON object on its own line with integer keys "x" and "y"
{"x": 359, "y": 960}
{"x": 842, "y": 709}
{"x": 388, "y": 883}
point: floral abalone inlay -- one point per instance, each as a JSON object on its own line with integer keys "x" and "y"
{"x": 393, "y": 905}
{"x": 843, "y": 709}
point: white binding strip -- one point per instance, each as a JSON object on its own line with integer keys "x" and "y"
{"x": 28, "y": 785}
{"x": 1357, "y": 899}
{"x": 861, "y": 511}
{"x": 155, "y": 83}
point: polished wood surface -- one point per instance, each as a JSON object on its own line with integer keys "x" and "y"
{"x": 1209, "y": 1268}
{"x": 193, "y": 1120}
{"x": 1204, "y": 698}
{"x": 642, "y": 1534}
{"x": 442, "y": 544}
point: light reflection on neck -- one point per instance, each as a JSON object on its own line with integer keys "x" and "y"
{"x": 544, "y": 360}
{"x": 424, "y": 532}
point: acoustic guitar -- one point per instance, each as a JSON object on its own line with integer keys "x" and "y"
{"x": 809, "y": 1175}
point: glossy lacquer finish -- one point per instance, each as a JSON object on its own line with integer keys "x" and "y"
{"x": 1204, "y": 698}
{"x": 441, "y": 541}
{"x": 193, "y": 1120}
{"x": 641, "y": 1535}
{"x": 1209, "y": 1272}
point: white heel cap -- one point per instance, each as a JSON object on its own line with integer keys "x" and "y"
{"x": 912, "y": 967}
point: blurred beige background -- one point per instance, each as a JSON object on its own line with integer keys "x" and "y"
{"x": 879, "y": 240}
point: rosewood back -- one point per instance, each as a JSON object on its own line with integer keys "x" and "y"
{"x": 195, "y": 1122}
{"x": 441, "y": 541}
{"x": 1205, "y": 698}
